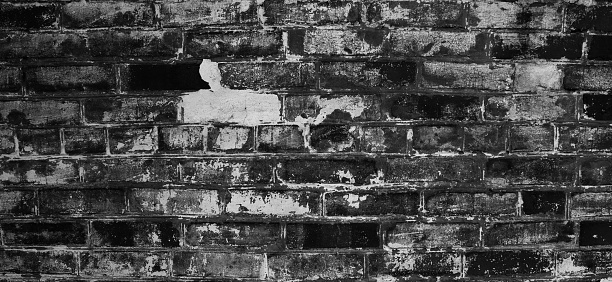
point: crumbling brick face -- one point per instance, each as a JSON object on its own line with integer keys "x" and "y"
{"x": 277, "y": 140}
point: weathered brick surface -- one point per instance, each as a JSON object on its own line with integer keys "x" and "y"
{"x": 103, "y": 14}
{"x": 411, "y": 235}
{"x": 499, "y": 204}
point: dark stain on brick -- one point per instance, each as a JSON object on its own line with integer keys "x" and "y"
{"x": 400, "y": 72}
{"x": 597, "y": 107}
{"x": 557, "y": 47}
{"x": 164, "y": 77}
{"x": 336, "y": 138}
{"x": 595, "y": 233}
{"x": 354, "y": 14}
{"x": 373, "y": 37}
{"x": 544, "y": 203}
{"x": 374, "y": 12}
{"x": 296, "y": 41}
{"x": 599, "y": 48}
{"x": 28, "y": 16}
{"x": 316, "y": 236}
{"x": 524, "y": 17}
{"x": 16, "y": 117}
{"x": 42, "y": 233}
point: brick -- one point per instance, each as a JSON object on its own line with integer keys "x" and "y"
{"x": 218, "y": 264}
{"x": 485, "y": 138}
{"x": 315, "y": 236}
{"x": 523, "y": 108}
{"x": 473, "y": 76}
{"x": 144, "y": 109}
{"x": 39, "y": 172}
{"x": 334, "y": 138}
{"x": 230, "y": 139}
{"x": 311, "y": 13}
{"x": 531, "y": 138}
{"x": 595, "y": 171}
{"x": 236, "y": 235}
{"x": 39, "y": 262}
{"x": 384, "y": 139}
{"x": 434, "y": 169}
{"x": 49, "y": 112}
{"x": 17, "y": 202}
{"x": 16, "y": 45}
{"x": 432, "y": 139}
{"x": 543, "y": 203}
{"x": 598, "y": 46}
{"x": 368, "y": 75}
{"x": 10, "y": 80}
{"x": 596, "y": 107}
{"x": 591, "y": 204}
{"x": 224, "y": 171}
{"x": 134, "y": 43}
{"x": 438, "y": 43}
{"x": 328, "y": 42}
{"x": 7, "y": 141}
{"x": 129, "y": 170}
{"x": 274, "y": 203}
{"x": 468, "y": 204}
{"x": 233, "y": 43}
{"x": 406, "y": 263}
{"x": 529, "y": 233}
{"x": 358, "y": 171}
{"x": 583, "y": 138}
{"x": 415, "y": 235}
{"x": 38, "y": 142}
{"x": 521, "y": 15}
{"x": 432, "y": 107}
{"x": 66, "y": 79}
{"x": 197, "y": 13}
{"x": 537, "y": 77}
{"x": 173, "y": 201}
{"x": 332, "y": 108}
{"x": 75, "y": 202}
{"x": 584, "y": 263}
{"x": 537, "y": 46}
{"x": 267, "y": 75}
{"x": 132, "y": 140}
{"x": 512, "y": 171}
{"x": 122, "y": 264}
{"x": 587, "y": 77}
{"x": 417, "y": 14}
{"x": 182, "y": 139}
{"x": 106, "y": 14}
{"x": 280, "y": 138}
{"x": 315, "y": 266}
{"x": 582, "y": 18}
{"x": 514, "y": 263}
{"x": 29, "y": 15}
{"x": 84, "y": 140}
{"x": 45, "y": 233}
{"x": 595, "y": 233}
{"x": 162, "y": 78}
{"x": 359, "y": 204}
{"x": 139, "y": 233}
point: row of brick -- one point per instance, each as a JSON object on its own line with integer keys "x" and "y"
{"x": 271, "y": 202}
{"x": 543, "y": 15}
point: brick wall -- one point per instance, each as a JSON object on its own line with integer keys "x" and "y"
{"x": 302, "y": 140}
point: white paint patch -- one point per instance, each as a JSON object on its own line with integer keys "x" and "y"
{"x": 354, "y": 200}
{"x": 353, "y": 105}
{"x": 221, "y": 104}
{"x": 567, "y": 266}
{"x": 252, "y": 202}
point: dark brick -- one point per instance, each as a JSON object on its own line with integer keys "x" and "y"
{"x": 84, "y": 140}
{"x": 368, "y": 75}
{"x": 595, "y": 233}
{"x": 198, "y": 13}
{"x": 591, "y": 204}
{"x": 531, "y": 107}
{"x": 599, "y": 46}
{"x": 596, "y": 171}
{"x": 543, "y": 203}
{"x": 583, "y": 138}
{"x": 434, "y": 107}
{"x": 42, "y": 172}
{"x": 315, "y": 266}
{"x": 7, "y": 141}
{"x": 510, "y": 171}
{"x": 129, "y": 170}
{"x": 182, "y": 139}
{"x": 587, "y": 77}
{"x": 74, "y": 202}
{"x": 384, "y": 139}
{"x": 50, "y": 112}
{"x": 173, "y": 201}
{"x": 417, "y": 14}
{"x": 144, "y": 109}
{"x": 226, "y": 171}
{"x": 15, "y": 45}
{"x": 138, "y": 140}
{"x": 233, "y": 43}
{"x": 468, "y": 204}
{"x": 267, "y": 75}
{"x": 315, "y": 236}
{"x": 230, "y": 139}
{"x": 231, "y": 265}
{"x": 140, "y": 234}
{"x": 65, "y": 79}
{"x": 431, "y": 139}
{"x": 39, "y": 141}
{"x": 29, "y": 15}
{"x": 597, "y": 107}
{"x": 537, "y": 46}
{"x": 17, "y": 202}
{"x": 583, "y": 18}
{"x": 10, "y": 80}
{"x": 305, "y": 13}
{"x": 409, "y": 264}
{"x": 137, "y": 43}
{"x": 280, "y": 138}
{"x": 358, "y": 172}
{"x": 45, "y": 234}
{"x": 34, "y": 262}
{"x": 415, "y": 235}
{"x": 125, "y": 264}
{"x": 485, "y": 138}
{"x": 434, "y": 169}
{"x": 106, "y": 14}
{"x": 514, "y": 263}
{"x": 238, "y": 235}
{"x": 334, "y": 138}
{"x": 531, "y": 138}
{"x": 472, "y": 76}
{"x": 162, "y": 77}
{"x": 532, "y": 233}
{"x": 273, "y": 203}
{"x": 332, "y": 108}
{"x": 356, "y": 204}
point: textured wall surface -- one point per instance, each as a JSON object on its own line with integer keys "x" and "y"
{"x": 303, "y": 140}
